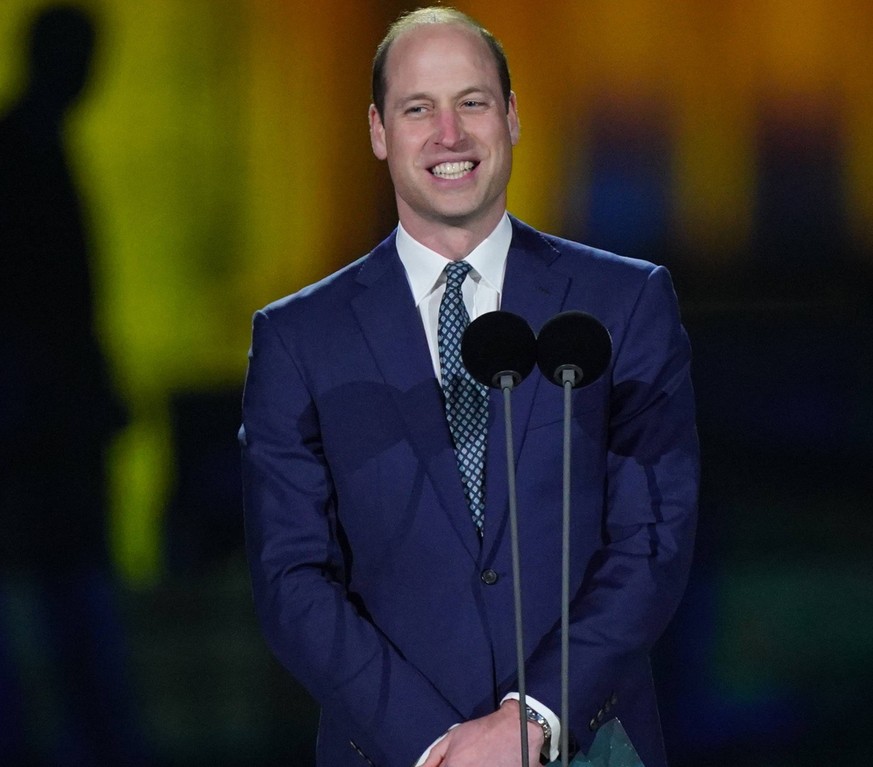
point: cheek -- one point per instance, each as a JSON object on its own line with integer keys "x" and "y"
{"x": 502, "y": 148}
{"x": 403, "y": 153}
{"x": 403, "y": 177}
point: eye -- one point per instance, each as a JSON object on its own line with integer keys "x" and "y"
{"x": 415, "y": 109}
{"x": 473, "y": 104}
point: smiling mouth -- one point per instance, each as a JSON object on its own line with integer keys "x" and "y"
{"x": 453, "y": 170}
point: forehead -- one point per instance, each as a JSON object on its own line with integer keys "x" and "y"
{"x": 431, "y": 56}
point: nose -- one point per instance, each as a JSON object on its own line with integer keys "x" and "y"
{"x": 449, "y": 128}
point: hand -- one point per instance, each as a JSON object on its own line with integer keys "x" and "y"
{"x": 493, "y": 740}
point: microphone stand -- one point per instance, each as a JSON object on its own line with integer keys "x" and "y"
{"x": 573, "y": 350}
{"x": 499, "y": 350}
{"x": 570, "y": 376}
{"x": 568, "y": 381}
{"x": 507, "y": 382}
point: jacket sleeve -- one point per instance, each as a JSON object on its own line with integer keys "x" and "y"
{"x": 392, "y": 712}
{"x": 635, "y": 580}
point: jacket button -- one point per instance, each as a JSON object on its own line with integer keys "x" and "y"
{"x": 489, "y": 577}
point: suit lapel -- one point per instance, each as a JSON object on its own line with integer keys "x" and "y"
{"x": 392, "y": 328}
{"x": 536, "y": 292}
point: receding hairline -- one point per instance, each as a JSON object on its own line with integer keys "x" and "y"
{"x": 435, "y": 16}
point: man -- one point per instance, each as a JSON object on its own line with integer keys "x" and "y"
{"x": 379, "y": 548}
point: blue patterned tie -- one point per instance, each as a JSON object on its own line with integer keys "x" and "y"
{"x": 466, "y": 400}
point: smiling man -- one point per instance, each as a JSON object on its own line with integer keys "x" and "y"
{"x": 446, "y": 127}
{"x": 375, "y": 484}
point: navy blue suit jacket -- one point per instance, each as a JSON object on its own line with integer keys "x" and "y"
{"x": 366, "y": 568}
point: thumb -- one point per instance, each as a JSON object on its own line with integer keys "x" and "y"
{"x": 435, "y": 757}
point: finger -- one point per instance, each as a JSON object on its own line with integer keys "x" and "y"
{"x": 435, "y": 757}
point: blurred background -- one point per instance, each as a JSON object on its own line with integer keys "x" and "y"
{"x": 169, "y": 166}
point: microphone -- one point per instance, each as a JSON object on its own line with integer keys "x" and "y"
{"x": 573, "y": 346}
{"x": 573, "y": 350}
{"x": 499, "y": 350}
{"x": 496, "y": 345}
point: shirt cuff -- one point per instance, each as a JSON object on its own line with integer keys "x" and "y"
{"x": 549, "y": 716}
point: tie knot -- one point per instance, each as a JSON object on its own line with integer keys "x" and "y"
{"x": 456, "y": 271}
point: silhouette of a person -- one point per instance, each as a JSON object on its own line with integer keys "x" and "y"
{"x": 58, "y": 410}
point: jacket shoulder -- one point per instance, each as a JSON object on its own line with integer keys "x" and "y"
{"x": 581, "y": 256}
{"x": 578, "y": 260}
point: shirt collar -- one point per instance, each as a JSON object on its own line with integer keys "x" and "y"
{"x": 424, "y": 267}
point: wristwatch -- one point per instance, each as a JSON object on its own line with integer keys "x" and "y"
{"x": 537, "y": 718}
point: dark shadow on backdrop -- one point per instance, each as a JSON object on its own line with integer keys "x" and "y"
{"x": 58, "y": 413}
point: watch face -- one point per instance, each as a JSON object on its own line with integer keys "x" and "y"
{"x": 538, "y": 718}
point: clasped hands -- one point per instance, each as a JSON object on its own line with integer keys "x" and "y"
{"x": 490, "y": 741}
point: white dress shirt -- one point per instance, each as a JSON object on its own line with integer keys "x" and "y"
{"x": 427, "y": 280}
{"x": 482, "y": 290}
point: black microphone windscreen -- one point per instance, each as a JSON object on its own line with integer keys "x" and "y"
{"x": 498, "y": 343}
{"x": 574, "y": 340}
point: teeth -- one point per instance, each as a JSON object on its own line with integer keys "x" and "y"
{"x": 452, "y": 169}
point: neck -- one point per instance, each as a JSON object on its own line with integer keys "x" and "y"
{"x": 454, "y": 242}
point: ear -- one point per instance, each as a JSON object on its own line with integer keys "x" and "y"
{"x": 377, "y": 134}
{"x": 512, "y": 119}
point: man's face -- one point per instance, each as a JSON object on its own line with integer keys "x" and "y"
{"x": 445, "y": 131}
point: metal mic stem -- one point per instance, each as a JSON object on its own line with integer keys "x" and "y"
{"x": 568, "y": 378}
{"x": 506, "y": 384}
